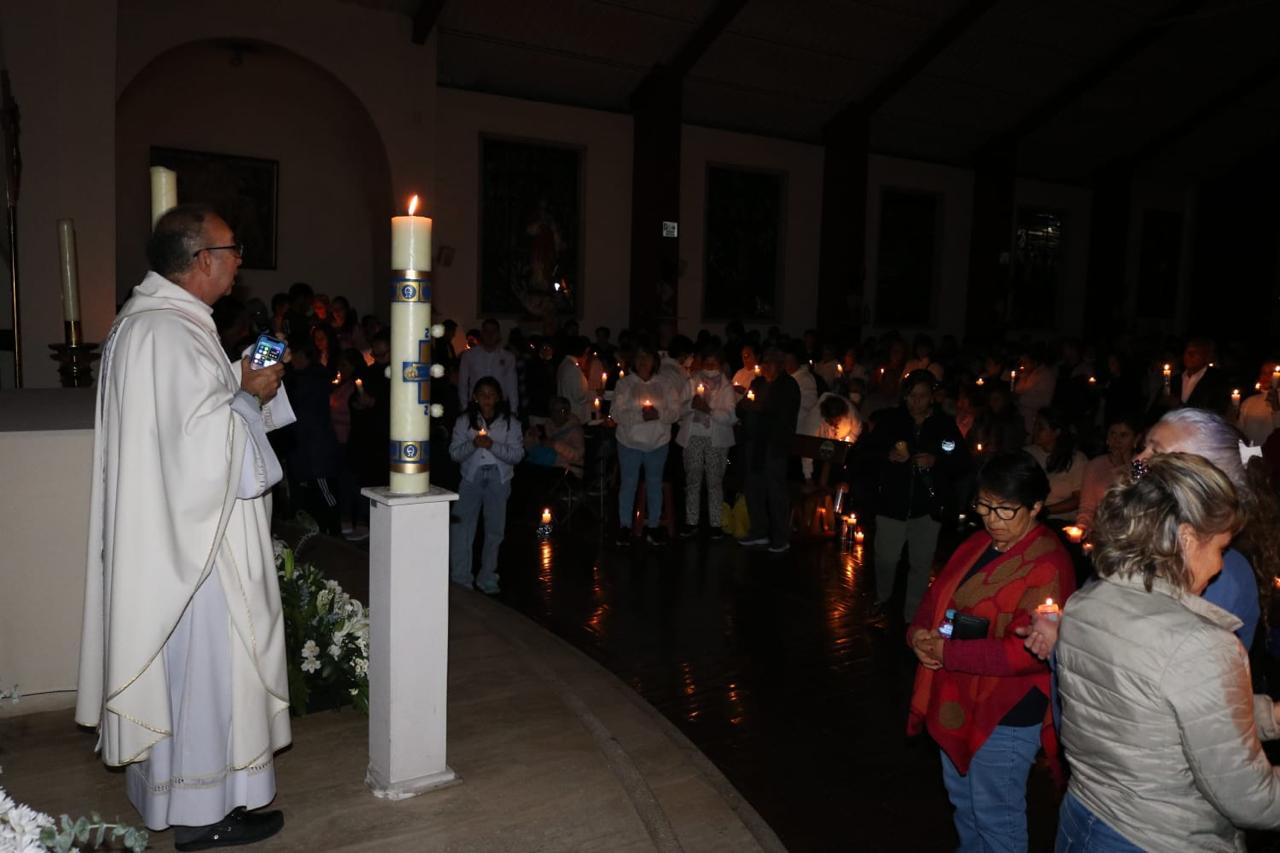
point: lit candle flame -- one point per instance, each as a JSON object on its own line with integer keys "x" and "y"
{"x": 413, "y": 204}
{"x": 546, "y": 515}
{"x": 751, "y": 395}
{"x": 701, "y": 388}
{"x": 981, "y": 382}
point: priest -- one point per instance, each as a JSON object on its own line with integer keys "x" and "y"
{"x": 182, "y": 665}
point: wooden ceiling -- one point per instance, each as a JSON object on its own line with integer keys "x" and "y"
{"x": 1183, "y": 88}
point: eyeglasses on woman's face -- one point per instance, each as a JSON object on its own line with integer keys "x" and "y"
{"x": 1002, "y": 512}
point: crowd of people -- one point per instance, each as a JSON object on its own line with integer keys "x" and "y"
{"x": 1119, "y": 468}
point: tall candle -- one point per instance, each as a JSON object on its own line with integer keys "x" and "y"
{"x": 410, "y": 371}
{"x": 67, "y": 267}
{"x": 411, "y": 240}
{"x": 164, "y": 192}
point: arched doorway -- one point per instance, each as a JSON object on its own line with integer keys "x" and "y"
{"x": 253, "y": 99}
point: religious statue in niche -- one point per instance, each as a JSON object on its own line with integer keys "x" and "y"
{"x": 530, "y": 253}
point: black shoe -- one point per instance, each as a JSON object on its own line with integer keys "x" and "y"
{"x": 239, "y": 827}
{"x": 624, "y": 537}
{"x": 688, "y": 531}
{"x": 655, "y": 535}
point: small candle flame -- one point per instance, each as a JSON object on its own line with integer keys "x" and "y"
{"x": 751, "y": 395}
{"x": 596, "y": 403}
{"x": 1093, "y": 380}
{"x": 546, "y": 515}
{"x": 413, "y": 204}
{"x": 981, "y": 382}
{"x": 1048, "y": 602}
{"x": 701, "y": 388}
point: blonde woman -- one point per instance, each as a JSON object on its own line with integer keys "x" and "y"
{"x": 1159, "y": 722}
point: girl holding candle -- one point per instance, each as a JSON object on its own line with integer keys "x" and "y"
{"x": 487, "y": 443}
{"x": 979, "y": 694}
{"x": 644, "y": 407}
{"x": 706, "y": 434}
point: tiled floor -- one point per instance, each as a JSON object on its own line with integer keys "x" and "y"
{"x": 553, "y": 752}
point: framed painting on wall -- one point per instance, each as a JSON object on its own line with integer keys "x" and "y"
{"x": 742, "y": 256}
{"x": 243, "y": 190}
{"x": 530, "y": 229}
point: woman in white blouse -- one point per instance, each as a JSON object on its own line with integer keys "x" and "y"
{"x": 644, "y": 407}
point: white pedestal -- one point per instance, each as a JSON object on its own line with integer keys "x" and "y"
{"x": 408, "y": 641}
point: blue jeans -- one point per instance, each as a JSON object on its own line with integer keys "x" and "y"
{"x": 1081, "y": 831}
{"x": 485, "y": 493}
{"x": 991, "y": 799}
{"x": 630, "y": 462}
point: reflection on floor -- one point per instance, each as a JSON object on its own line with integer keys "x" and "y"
{"x": 766, "y": 664}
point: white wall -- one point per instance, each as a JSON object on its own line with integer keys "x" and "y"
{"x": 605, "y": 140}
{"x": 46, "y": 524}
{"x": 801, "y": 167}
{"x": 69, "y": 60}
{"x": 61, "y": 56}
{"x": 334, "y": 193}
{"x": 952, "y": 276}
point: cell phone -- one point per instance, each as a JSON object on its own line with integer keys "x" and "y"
{"x": 266, "y": 352}
{"x": 969, "y": 627}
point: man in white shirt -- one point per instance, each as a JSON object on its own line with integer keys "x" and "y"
{"x": 571, "y": 382}
{"x": 489, "y": 359}
{"x": 799, "y": 371}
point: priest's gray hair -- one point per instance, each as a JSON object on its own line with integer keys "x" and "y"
{"x": 176, "y": 239}
{"x": 1208, "y": 435}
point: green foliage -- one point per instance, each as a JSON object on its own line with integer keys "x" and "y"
{"x": 326, "y": 637}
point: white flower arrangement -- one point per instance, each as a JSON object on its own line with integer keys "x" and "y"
{"x": 317, "y": 611}
{"x": 25, "y": 830}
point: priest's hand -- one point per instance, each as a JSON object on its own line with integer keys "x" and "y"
{"x": 262, "y": 383}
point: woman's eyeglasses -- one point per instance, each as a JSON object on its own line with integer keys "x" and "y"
{"x": 1004, "y": 513}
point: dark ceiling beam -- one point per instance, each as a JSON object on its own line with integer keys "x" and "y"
{"x": 425, "y": 20}
{"x": 1207, "y": 112}
{"x": 1147, "y": 35}
{"x": 711, "y": 28}
{"x": 665, "y": 75}
{"x": 946, "y": 35}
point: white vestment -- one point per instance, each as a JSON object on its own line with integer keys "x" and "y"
{"x": 180, "y": 555}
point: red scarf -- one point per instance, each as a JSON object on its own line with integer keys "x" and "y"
{"x": 961, "y": 709}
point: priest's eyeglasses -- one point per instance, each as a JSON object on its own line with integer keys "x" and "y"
{"x": 1004, "y": 513}
{"x": 238, "y": 248}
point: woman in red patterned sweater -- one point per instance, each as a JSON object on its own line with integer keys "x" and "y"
{"x": 980, "y": 694}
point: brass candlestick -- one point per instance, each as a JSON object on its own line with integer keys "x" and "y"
{"x": 75, "y": 357}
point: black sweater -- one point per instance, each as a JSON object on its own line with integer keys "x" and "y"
{"x": 902, "y": 491}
